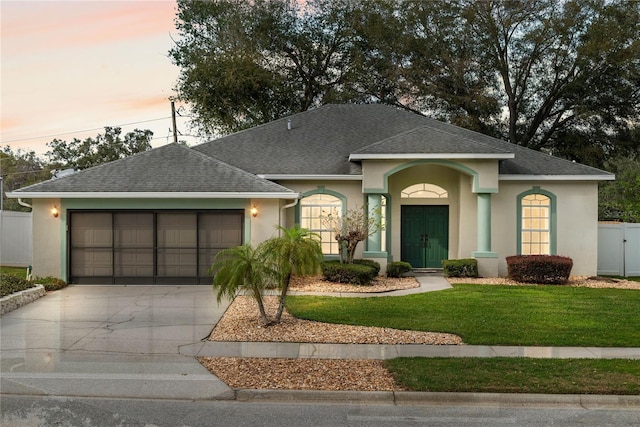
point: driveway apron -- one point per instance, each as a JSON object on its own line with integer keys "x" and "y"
{"x": 112, "y": 341}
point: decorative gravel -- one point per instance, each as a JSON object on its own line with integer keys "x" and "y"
{"x": 301, "y": 374}
{"x": 241, "y": 322}
{"x": 578, "y": 281}
{"x": 380, "y": 284}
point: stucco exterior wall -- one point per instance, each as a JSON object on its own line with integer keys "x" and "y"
{"x": 48, "y": 242}
{"x": 263, "y": 226}
{"x": 577, "y": 221}
{"x": 485, "y": 171}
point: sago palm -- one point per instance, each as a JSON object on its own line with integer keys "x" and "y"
{"x": 242, "y": 269}
{"x": 296, "y": 252}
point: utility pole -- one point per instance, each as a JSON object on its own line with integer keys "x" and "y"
{"x": 173, "y": 117}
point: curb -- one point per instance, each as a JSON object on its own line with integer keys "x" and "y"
{"x": 18, "y": 299}
{"x": 408, "y": 398}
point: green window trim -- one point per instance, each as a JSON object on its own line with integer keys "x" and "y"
{"x": 553, "y": 218}
{"x": 321, "y": 190}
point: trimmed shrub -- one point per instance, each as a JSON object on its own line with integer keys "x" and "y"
{"x": 398, "y": 268}
{"x": 10, "y": 284}
{"x": 467, "y": 267}
{"x": 357, "y": 274}
{"x": 544, "y": 269}
{"x": 50, "y": 283}
{"x": 371, "y": 263}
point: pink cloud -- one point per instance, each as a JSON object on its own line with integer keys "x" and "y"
{"x": 38, "y": 26}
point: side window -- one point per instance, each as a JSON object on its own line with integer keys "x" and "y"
{"x": 311, "y": 208}
{"x": 536, "y": 236}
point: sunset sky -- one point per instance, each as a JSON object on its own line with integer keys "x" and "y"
{"x": 70, "y": 66}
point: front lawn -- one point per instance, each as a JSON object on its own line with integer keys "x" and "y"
{"x": 14, "y": 271}
{"x": 517, "y": 375}
{"x": 494, "y": 315}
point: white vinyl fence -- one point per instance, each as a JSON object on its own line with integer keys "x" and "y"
{"x": 15, "y": 239}
{"x": 619, "y": 249}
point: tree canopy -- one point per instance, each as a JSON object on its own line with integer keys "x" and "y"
{"x": 22, "y": 168}
{"x": 19, "y": 169}
{"x": 83, "y": 154}
{"x": 559, "y": 76}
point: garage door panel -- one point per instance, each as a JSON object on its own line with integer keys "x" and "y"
{"x": 134, "y": 263}
{"x": 92, "y": 230}
{"x": 176, "y": 262}
{"x": 91, "y": 262}
{"x": 133, "y": 230}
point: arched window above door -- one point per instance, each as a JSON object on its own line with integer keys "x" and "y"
{"x": 424, "y": 191}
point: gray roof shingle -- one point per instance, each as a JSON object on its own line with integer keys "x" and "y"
{"x": 321, "y": 140}
{"x": 171, "y": 168}
{"x": 439, "y": 142}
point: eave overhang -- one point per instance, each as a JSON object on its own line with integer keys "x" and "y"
{"x": 517, "y": 177}
{"x": 152, "y": 195}
{"x": 440, "y": 156}
{"x": 301, "y": 177}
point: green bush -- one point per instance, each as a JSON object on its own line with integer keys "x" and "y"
{"x": 50, "y": 283}
{"x": 543, "y": 269}
{"x": 398, "y": 268}
{"x": 371, "y": 263}
{"x": 467, "y": 267}
{"x": 10, "y": 284}
{"x": 358, "y": 274}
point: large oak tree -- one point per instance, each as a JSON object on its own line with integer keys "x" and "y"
{"x": 554, "y": 75}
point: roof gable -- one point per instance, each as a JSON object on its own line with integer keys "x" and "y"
{"x": 430, "y": 141}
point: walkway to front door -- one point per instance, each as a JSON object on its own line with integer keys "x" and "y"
{"x": 425, "y": 235}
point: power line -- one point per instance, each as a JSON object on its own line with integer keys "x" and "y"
{"x": 81, "y": 131}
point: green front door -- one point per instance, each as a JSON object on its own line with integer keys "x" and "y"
{"x": 425, "y": 235}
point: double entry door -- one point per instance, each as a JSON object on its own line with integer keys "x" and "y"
{"x": 425, "y": 235}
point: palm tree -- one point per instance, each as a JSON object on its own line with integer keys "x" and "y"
{"x": 296, "y": 252}
{"x": 242, "y": 268}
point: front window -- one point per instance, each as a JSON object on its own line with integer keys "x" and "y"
{"x": 312, "y": 208}
{"x": 536, "y": 225}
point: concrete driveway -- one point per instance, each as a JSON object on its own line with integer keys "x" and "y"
{"x": 112, "y": 341}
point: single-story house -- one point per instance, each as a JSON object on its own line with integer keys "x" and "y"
{"x": 443, "y": 192}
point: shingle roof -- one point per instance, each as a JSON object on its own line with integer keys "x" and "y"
{"x": 440, "y": 141}
{"x": 172, "y": 168}
{"x": 321, "y": 140}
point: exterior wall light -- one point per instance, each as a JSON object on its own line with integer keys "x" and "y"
{"x": 254, "y": 211}
{"x": 55, "y": 212}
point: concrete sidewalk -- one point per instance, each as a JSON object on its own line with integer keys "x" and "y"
{"x": 389, "y": 351}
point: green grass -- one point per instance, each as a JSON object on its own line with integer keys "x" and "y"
{"x": 494, "y": 315}
{"x": 14, "y": 271}
{"x": 518, "y": 375}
